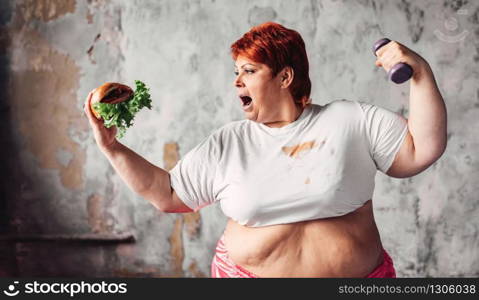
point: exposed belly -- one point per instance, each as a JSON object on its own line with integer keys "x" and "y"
{"x": 345, "y": 246}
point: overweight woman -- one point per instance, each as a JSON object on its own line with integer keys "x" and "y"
{"x": 295, "y": 179}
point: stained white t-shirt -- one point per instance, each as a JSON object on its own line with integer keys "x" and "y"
{"x": 321, "y": 165}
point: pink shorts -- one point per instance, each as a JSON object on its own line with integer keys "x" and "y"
{"x": 223, "y": 267}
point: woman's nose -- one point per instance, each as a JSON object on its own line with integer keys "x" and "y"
{"x": 238, "y": 82}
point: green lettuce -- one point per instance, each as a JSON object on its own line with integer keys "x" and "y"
{"x": 122, "y": 114}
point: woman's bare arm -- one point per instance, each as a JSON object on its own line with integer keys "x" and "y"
{"x": 144, "y": 178}
{"x": 427, "y": 123}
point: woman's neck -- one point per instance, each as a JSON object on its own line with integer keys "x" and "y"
{"x": 289, "y": 112}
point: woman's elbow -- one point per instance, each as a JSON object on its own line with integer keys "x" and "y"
{"x": 432, "y": 153}
{"x": 173, "y": 205}
{"x": 432, "y": 156}
{"x": 439, "y": 151}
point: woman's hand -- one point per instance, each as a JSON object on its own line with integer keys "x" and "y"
{"x": 104, "y": 137}
{"x": 393, "y": 53}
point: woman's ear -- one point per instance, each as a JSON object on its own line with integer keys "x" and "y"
{"x": 287, "y": 76}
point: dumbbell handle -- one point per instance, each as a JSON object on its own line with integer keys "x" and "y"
{"x": 400, "y": 72}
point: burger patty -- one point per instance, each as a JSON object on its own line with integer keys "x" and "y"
{"x": 115, "y": 93}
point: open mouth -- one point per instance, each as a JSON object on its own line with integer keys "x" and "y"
{"x": 246, "y": 100}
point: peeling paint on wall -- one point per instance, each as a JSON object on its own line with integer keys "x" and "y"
{"x": 90, "y": 50}
{"x": 170, "y": 155}
{"x": 44, "y": 10}
{"x": 176, "y": 247}
{"x": 96, "y": 217}
{"x": 193, "y": 268}
{"x": 52, "y": 80}
{"x": 190, "y": 222}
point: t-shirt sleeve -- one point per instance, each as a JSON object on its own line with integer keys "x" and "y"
{"x": 386, "y": 131}
{"x": 193, "y": 176}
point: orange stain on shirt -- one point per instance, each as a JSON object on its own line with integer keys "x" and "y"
{"x": 295, "y": 151}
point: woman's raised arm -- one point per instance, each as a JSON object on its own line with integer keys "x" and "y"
{"x": 427, "y": 137}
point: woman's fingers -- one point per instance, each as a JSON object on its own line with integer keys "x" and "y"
{"x": 103, "y": 136}
{"x": 87, "y": 108}
{"x": 86, "y": 105}
{"x": 393, "y": 53}
{"x": 386, "y": 60}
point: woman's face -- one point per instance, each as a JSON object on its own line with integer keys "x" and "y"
{"x": 257, "y": 90}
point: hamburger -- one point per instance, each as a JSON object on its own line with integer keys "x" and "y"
{"x": 111, "y": 93}
{"x": 117, "y": 104}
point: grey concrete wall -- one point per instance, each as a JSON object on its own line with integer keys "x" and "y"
{"x": 56, "y": 183}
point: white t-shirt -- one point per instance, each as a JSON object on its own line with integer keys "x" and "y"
{"x": 321, "y": 165}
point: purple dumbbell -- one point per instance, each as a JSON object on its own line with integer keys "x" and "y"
{"x": 400, "y": 72}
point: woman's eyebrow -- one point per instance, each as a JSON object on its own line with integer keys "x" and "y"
{"x": 245, "y": 65}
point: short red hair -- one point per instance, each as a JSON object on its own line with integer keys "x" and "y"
{"x": 277, "y": 47}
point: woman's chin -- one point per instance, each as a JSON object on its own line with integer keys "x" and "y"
{"x": 250, "y": 116}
